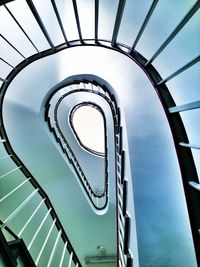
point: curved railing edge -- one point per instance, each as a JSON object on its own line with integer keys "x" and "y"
{"x": 185, "y": 158}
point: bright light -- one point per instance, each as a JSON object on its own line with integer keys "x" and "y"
{"x": 88, "y": 124}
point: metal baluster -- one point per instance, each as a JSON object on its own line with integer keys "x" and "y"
{"x": 40, "y": 23}
{"x": 16, "y": 211}
{"x": 189, "y": 106}
{"x": 40, "y": 226}
{"x": 32, "y": 215}
{"x": 185, "y": 67}
{"x": 7, "y": 62}
{"x": 70, "y": 259}
{"x": 77, "y": 19}
{"x": 54, "y": 249}
{"x": 3, "y": 80}
{"x": 15, "y": 189}
{"x": 189, "y": 145}
{"x": 45, "y": 242}
{"x": 118, "y": 19}
{"x": 182, "y": 23}
{"x": 63, "y": 255}
{"x": 11, "y": 14}
{"x": 144, "y": 24}
{"x": 6, "y": 40}
{"x": 59, "y": 20}
{"x": 5, "y": 157}
{"x": 96, "y": 20}
{"x": 6, "y": 174}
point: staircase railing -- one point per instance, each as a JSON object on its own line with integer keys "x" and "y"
{"x": 123, "y": 218}
{"x": 7, "y": 257}
{"x": 183, "y": 147}
{"x": 27, "y": 210}
{"x": 98, "y": 200}
{"x": 14, "y": 252}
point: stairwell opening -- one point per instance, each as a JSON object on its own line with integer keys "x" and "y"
{"x": 88, "y": 125}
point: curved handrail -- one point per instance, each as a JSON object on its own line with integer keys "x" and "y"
{"x": 186, "y": 161}
{"x": 37, "y": 191}
{"x": 123, "y": 218}
{"x": 71, "y": 156}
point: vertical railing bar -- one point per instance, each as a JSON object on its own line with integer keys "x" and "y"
{"x": 40, "y": 226}
{"x": 54, "y": 249}
{"x": 189, "y": 145}
{"x": 122, "y": 257}
{"x": 5, "y": 157}
{"x": 97, "y": 202}
{"x": 45, "y": 242}
{"x": 102, "y": 201}
{"x": 77, "y": 19}
{"x": 118, "y": 19}
{"x": 121, "y": 223}
{"x": 15, "y": 212}
{"x": 5, "y": 81}
{"x": 185, "y": 107}
{"x": 118, "y": 119}
{"x": 95, "y": 88}
{"x": 185, "y": 67}
{"x": 15, "y": 189}
{"x": 39, "y": 21}
{"x": 121, "y": 236}
{"x": 11, "y": 14}
{"x": 144, "y": 24}
{"x": 70, "y": 259}
{"x": 12, "y": 46}
{"x": 60, "y": 93}
{"x": 120, "y": 139}
{"x": 59, "y": 20}
{"x": 63, "y": 255}
{"x": 15, "y": 169}
{"x": 123, "y": 159}
{"x": 181, "y": 24}
{"x": 7, "y": 62}
{"x": 92, "y": 87}
{"x": 120, "y": 213}
{"x": 32, "y": 215}
{"x": 194, "y": 185}
{"x": 125, "y": 197}
{"x": 126, "y": 234}
{"x": 96, "y": 27}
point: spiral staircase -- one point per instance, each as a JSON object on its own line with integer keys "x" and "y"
{"x": 62, "y": 203}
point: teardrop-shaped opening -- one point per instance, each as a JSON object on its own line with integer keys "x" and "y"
{"x": 88, "y": 125}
